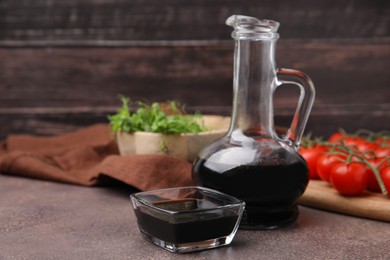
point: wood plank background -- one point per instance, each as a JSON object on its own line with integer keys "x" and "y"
{"x": 63, "y": 63}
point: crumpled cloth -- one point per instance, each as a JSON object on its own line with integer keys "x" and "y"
{"x": 89, "y": 157}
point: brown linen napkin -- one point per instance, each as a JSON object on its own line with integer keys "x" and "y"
{"x": 86, "y": 157}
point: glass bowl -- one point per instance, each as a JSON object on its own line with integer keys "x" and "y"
{"x": 187, "y": 219}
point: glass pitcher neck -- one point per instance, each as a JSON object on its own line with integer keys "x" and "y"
{"x": 254, "y": 75}
{"x": 250, "y": 28}
{"x": 253, "y": 85}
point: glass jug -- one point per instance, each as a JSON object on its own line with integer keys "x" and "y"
{"x": 252, "y": 162}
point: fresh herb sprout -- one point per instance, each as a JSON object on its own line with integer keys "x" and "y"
{"x": 154, "y": 118}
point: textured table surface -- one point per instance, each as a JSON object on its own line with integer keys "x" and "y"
{"x": 45, "y": 220}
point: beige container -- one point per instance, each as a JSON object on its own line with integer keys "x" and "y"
{"x": 184, "y": 146}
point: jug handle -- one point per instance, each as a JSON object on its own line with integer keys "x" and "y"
{"x": 305, "y": 102}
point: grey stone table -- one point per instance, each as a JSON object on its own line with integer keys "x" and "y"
{"x": 45, "y": 220}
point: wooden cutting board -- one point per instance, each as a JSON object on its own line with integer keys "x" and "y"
{"x": 320, "y": 194}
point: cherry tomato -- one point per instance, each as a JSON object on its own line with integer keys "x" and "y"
{"x": 311, "y": 156}
{"x": 385, "y": 174}
{"x": 336, "y": 137}
{"x": 364, "y": 146}
{"x": 372, "y": 182}
{"x": 383, "y": 141}
{"x": 352, "y": 141}
{"x": 340, "y": 138}
{"x": 349, "y": 179}
{"x": 325, "y": 163}
{"x": 358, "y": 144}
{"x": 382, "y": 152}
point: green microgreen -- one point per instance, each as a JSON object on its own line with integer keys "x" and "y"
{"x": 153, "y": 118}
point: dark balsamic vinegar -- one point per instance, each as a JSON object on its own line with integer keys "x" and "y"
{"x": 270, "y": 191}
{"x": 211, "y": 225}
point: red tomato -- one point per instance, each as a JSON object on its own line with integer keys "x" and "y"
{"x": 311, "y": 156}
{"x": 382, "y": 151}
{"x": 352, "y": 141}
{"x": 325, "y": 163}
{"x": 358, "y": 143}
{"x": 364, "y": 146}
{"x": 382, "y": 141}
{"x": 349, "y": 179}
{"x": 372, "y": 182}
{"x": 336, "y": 137}
{"x": 385, "y": 174}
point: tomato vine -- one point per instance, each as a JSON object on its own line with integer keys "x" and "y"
{"x": 370, "y": 149}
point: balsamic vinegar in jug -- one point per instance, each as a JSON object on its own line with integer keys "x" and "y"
{"x": 270, "y": 185}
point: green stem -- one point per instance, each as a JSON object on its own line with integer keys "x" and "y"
{"x": 351, "y": 153}
{"x": 378, "y": 178}
{"x": 376, "y": 173}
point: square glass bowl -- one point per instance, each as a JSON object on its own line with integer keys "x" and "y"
{"x": 187, "y": 219}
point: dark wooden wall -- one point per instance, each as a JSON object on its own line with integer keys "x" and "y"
{"x": 63, "y": 63}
